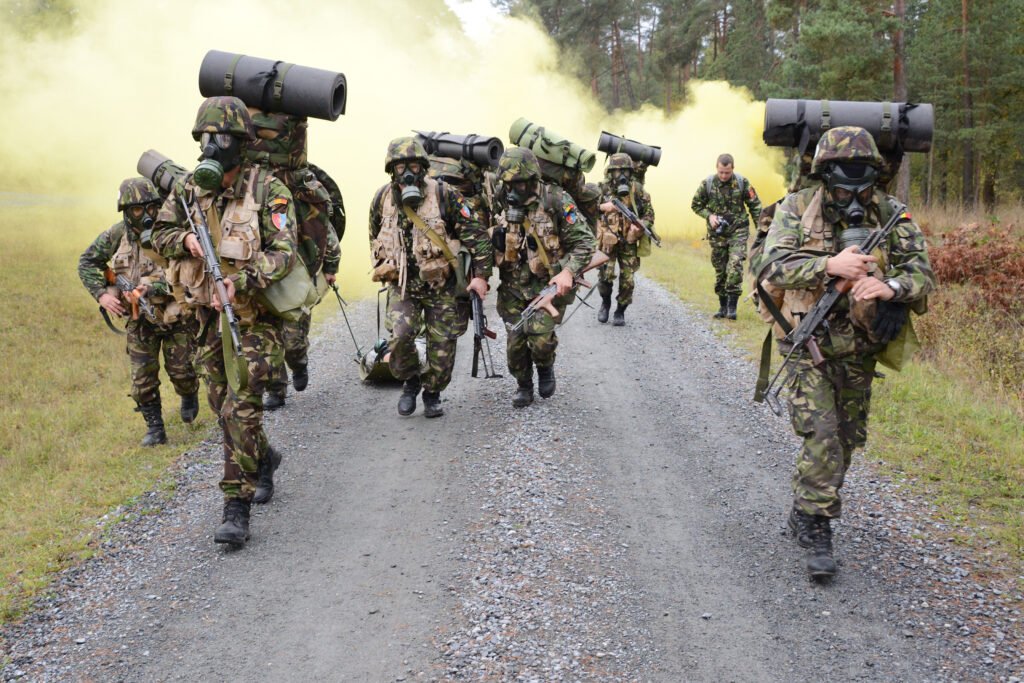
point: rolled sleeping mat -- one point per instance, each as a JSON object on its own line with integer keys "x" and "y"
{"x": 551, "y": 146}
{"x": 800, "y": 123}
{"x": 480, "y": 150}
{"x": 161, "y": 170}
{"x": 610, "y": 143}
{"x": 274, "y": 85}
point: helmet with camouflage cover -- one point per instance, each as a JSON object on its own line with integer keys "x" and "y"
{"x": 518, "y": 163}
{"x": 446, "y": 167}
{"x": 405, "y": 149}
{"x": 224, "y": 115}
{"x": 845, "y": 144}
{"x": 620, "y": 160}
{"x": 591, "y": 193}
{"x": 135, "y": 191}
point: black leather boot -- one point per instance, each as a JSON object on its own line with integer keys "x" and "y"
{"x": 269, "y": 463}
{"x": 730, "y": 312}
{"x": 723, "y": 307}
{"x": 800, "y": 527}
{"x": 155, "y": 433}
{"x": 189, "y": 407}
{"x": 407, "y": 401}
{"x": 275, "y": 399}
{"x": 235, "y": 526}
{"x": 300, "y": 377}
{"x": 606, "y": 306}
{"x": 432, "y": 404}
{"x": 619, "y": 319}
{"x": 820, "y": 563}
{"x": 546, "y": 381}
{"x": 524, "y": 396}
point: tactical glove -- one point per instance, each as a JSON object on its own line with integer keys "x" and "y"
{"x": 498, "y": 239}
{"x": 889, "y": 320}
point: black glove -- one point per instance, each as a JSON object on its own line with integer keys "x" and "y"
{"x": 889, "y": 320}
{"x": 498, "y": 239}
{"x": 531, "y": 242}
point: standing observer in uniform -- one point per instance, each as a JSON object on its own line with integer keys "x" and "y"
{"x": 619, "y": 238}
{"x": 169, "y": 327}
{"x": 417, "y": 228}
{"x": 251, "y": 220}
{"x": 724, "y": 200}
{"x": 814, "y": 238}
{"x": 540, "y": 239}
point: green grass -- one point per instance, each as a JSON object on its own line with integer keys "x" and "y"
{"x": 955, "y": 436}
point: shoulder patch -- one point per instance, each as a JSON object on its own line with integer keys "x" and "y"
{"x": 280, "y": 220}
{"x": 751, "y": 194}
{"x": 465, "y": 211}
{"x": 279, "y": 203}
{"x": 571, "y": 215}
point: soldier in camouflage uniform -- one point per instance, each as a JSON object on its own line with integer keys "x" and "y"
{"x": 251, "y": 217}
{"x": 807, "y": 245}
{"x": 171, "y": 328}
{"x": 417, "y": 227}
{"x": 540, "y": 238}
{"x": 619, "y": 238}
{"x": 721, "y": 199}
{"x": 281, "y": 146}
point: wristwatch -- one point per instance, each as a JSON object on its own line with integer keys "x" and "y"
{"x": 895, "y": 286}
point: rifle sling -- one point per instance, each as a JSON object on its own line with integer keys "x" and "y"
{"x": 106, "y": 319}
{"x": 436, "y": 239}
{"x": 542, "y": 253}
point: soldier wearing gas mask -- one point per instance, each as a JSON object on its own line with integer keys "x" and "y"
{"x": 251, "y": 220}
{"x": 418, "y": 226}
{"x": 120, "y": 251}
{"x": 620, "y": 239}
{"x": 814, "y": 237}
{"x": 539, "y": 239}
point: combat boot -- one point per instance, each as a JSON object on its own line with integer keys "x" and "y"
{"x": 619, "y": 319}
{"x": 189, "y": 407}
{"x": 300, "y": 377}
{"x": 606, "y": 306}
{"x": 234, "y": 528}
{"x": 275, "y": 399}
{"x": 269, "y": 463}
{"x": 546, "y": 381}
{"x": 432, "y": 404}
{"x": 800, "y": 526}
{"x": 730, "y": 311}
{"x": 820, "y": 564}
{"x": 407, "y": 401}
{"x": 524, "y": 396}
{"x": 155, "y": 433}
{"x": 723, "y": 307}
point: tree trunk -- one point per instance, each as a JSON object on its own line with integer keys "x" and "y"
{"x": 967, "y": 190}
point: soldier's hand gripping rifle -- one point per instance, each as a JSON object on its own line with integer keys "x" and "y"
{"x": 202, "y": 232}
{"x": 481, "y": 337}
{"x": 635, "y": 220}
{"x": 724, "y": 223}
{"x": 546, "y": 296}
{"x": 127, "y": 290}
{"x": 802, "y": 336}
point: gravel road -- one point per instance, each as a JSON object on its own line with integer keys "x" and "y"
{"x": 629, "y": 529}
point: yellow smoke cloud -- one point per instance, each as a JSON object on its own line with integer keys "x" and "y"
{"x": 81, "y": 109}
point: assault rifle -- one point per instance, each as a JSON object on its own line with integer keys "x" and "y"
{"x": 724, "y": 223}
{"x": 802, "y": 336}
{"x": 635, "y": 220}
{"x": 481, "y": 337}
{"x": 546, "y": 295}
{"x": 202, "y": 232}
{"x": 128, "y": 290}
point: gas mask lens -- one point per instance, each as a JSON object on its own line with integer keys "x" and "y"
{"x": 844, "y": 195}
{"x": 408, "y": 176}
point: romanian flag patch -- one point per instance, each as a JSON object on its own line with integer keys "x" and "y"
{"x": 280, "y": 220}
{"x": 570, "y": 214}
{"x": 465, "y": 211}
{"x": 279, "y": 202}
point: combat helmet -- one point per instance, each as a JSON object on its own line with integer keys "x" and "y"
{"x": 619, "y": 160}
{"x": 405, "y": 149}
{"x": 845, "y": 144}
{"x": 591, "y": 192}
{"x": 518, "y": 163}
{"x": 224, "y": 115}
{"x": 446, "y": 167}
{"x": 135, "y": 191}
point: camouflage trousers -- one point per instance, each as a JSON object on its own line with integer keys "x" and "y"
{"x": 829, "y": 408}
{"x": 727, "y": 257}
{"x": 629, "y": 263}
{"x": 241, "y": 412}
{"x": 443, "y": 319}
{"x": 295, "y": 339}
{"x": 145, "y": 341}
{"x": 536, "y": 342}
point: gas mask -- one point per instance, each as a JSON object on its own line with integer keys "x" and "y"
{"x": 140, "y": 218}
{"x": 518, "y": 195}
{"x": 409, "y": 177}
{"x": 221, "y": 152}
{"x": 621, "y": 182}
{"x": 850, "y": 188}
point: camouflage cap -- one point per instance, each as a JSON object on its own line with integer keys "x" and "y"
{"x": 134, "y": 191}
{"x": 591, "y": 193}
{"x": 845, "y": 144}
{"x": 518, "y": 163}
{"x": 445, "y": 167}
{"x": 619, "y": 160}
{"x": 405, "y": 149}
{"x": 224, "y": 115}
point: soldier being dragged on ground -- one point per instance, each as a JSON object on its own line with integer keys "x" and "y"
{"x": 417, "y": 228}
{"x": 127, "y": 283}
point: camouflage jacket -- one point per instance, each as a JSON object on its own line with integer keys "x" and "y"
{"x": 93, "y": 263}
{"x": 275, "y": 220}
{"x": 727, "y": 199}
{"x": 638, "y": 200}
{"x": 801, "y": 239}
{"x": 461, "y": 223}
